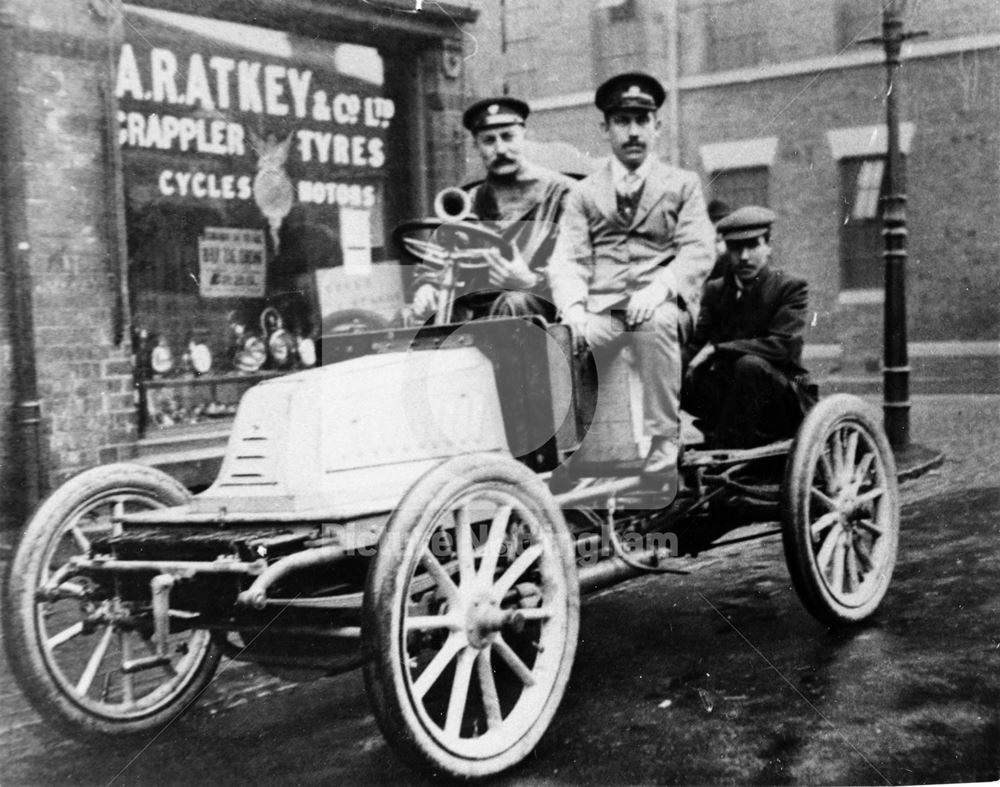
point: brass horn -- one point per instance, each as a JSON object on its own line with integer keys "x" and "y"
{"x": 453, "y": 204}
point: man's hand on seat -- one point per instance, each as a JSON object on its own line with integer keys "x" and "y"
{"x": 643, "y": 303}
{"x": 511, "y": 274}
{"x": 576, "y": 318}
{"x": 703, "y": 355}
{"x": 425, "y": 301}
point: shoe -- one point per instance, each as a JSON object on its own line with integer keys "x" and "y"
{"x": 661, "y": 459}
{"x": 659, "y": 472}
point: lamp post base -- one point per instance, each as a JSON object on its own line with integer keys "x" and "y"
{"x": 914, "y": 460}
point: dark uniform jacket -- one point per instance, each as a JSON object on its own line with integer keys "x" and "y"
{"x": 767, "y": 320}
{"x": 527, "y": 215}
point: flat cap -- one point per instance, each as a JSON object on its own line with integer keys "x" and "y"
{"x": 632, "y": 90}
{"x": 491, "y": 112}
{"x": 745, "y": 223}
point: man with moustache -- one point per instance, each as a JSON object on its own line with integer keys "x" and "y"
{"x": 747, "y": 382}
{"x": 634, "y": 249}
{"x": 520, "y": 201}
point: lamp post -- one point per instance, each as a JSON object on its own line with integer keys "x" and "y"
{"x": 896, "y": 368}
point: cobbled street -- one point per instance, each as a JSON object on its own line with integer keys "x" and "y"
{"x": 716, "y": 677}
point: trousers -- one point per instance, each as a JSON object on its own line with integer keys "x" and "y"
{"x": 656, "y": 347}
{"x": 743, "y": 401}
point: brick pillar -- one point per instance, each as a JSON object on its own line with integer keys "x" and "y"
{"x": 63, "y": 62}
{"x": 444, "y": 81}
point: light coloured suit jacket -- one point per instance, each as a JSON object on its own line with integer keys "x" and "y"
{"x": 599, "y": 260}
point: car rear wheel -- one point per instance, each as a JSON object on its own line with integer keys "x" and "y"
{"x": 840, "y": 510}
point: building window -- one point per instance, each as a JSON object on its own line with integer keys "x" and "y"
{"x": 520, "y": 40}
{"x": 862, "y": 189}
{"x": 856, "y": 19}
{"x": 737, "y": 37}
{"x": 619, "y": 10}
{"x": 739, "y": 187}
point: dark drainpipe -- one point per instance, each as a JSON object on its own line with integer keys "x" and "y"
{"x": 16, "y": 250}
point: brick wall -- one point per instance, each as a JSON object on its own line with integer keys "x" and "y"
{"x": 446, "y": 97}
{"x": 953, "y": 177}
{"x": 84, "y": 378}
{"x": 953, "y": 180}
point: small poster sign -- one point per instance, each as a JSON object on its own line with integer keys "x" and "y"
{"x": 379, "y": 290}
{"x": 232, "y": 263}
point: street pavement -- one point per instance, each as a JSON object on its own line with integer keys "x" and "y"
{"x": 716, "y": 677}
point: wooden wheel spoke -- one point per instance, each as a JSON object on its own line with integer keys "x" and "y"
{"x": 440, "y": 576}
{"x": 515, "y": 570}
{"x": 839, "y": 560}
{"x": 827, "y": 520}
{"x": 429, "y": 622}
{"x": 536, "y": 613}
{"x": 869, "y": 525}
{"x": 822, "y": 498}
{"x": 459, "y": 692}
{"x": 82, "y": 542}
{"x": 494, "y": 542}
{"x": 853, "y": 575}
{"x": 488, "y": 687}
{"x": 837, "y": 453}
{"x": 850, "y": 455}
{"x": 824, "y": 463}
{"x": 463, "y": 546}
{"x": 437, "y": 665}
{"x": 506, "y": 652}
{"x": 864, "y": 555}
{"x": 827, "y": 547}
{"x": 861, "y": 471}
{"x": 94, "y": 663}
{"x": 70, "y": 589}
{"x": 65, "y": 635}
{"x": 870, "y": 495}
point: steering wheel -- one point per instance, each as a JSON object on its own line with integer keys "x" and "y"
{"x": 461, "y": 242}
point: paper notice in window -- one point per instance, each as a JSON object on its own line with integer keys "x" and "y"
{"x": 356, "y": 240}
{"x": 231, "y": 263}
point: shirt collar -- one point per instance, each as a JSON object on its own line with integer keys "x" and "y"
{"x": 619, "y": 171}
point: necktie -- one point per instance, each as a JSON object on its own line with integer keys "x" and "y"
{"x": 627, "y": 199}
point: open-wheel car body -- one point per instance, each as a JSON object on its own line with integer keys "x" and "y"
{"x": 430, "y": 504}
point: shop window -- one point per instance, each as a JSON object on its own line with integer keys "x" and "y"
{"x": 862, "y": 189}
{"x": 255, "y": 163}
{"x": 739, "y": 187}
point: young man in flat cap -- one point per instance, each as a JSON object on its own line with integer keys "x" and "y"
{"x": 518, "y": 199}
{"x": 747, "y": 382}
{"x": 634, "y": 249}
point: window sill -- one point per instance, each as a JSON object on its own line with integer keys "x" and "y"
{"x": 874, "y": 295}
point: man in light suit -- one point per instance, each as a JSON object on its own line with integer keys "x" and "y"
{"x": 635, "y": 247}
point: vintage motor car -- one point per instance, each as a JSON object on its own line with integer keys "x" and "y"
{"x": 429, "y": 504}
